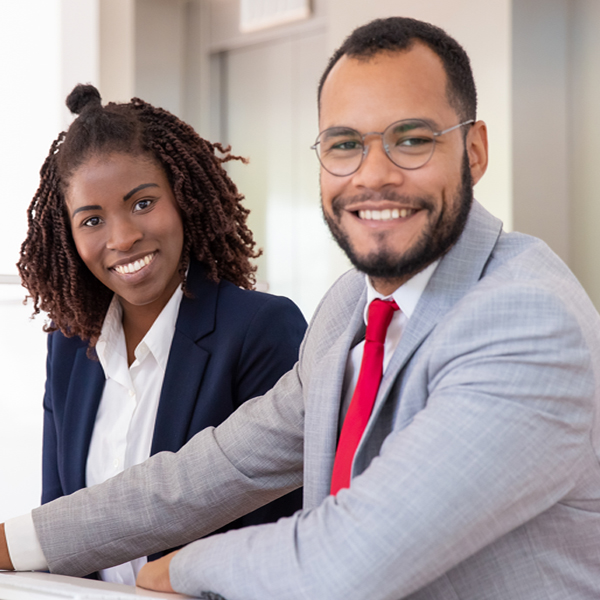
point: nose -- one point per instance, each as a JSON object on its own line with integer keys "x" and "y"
{"x": 377, "y": 170}
{"x": 123, "y": 235}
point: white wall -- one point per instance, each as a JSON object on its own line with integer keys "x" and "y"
{"x": 159, "y": 52}
{"x": 47, "y": 46}
{"x": 540, "y": 115}
{"x": 117, "y": 50}
{"x": 30, "y": 118}
{"x": 30, "y": 115}
{"x": 22, "y": 359}
{"x": 584, "y": 148}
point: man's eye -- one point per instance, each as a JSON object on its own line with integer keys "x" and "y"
{"x": 92, "y": 222}
{"x": 142, "y": 204}
{"x": 413, "y": 142}
{"x": 346, "y": 145}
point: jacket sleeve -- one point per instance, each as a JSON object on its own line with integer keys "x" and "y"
{"x": 175, "y": 498}
{"x": 504, "y": 437}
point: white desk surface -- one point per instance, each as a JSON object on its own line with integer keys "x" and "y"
{"x": 15, "y": 586}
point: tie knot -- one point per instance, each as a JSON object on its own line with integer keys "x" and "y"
{"x": 380, "y": 315}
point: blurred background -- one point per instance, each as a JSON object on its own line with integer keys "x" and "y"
{"x": 244, "y": 72}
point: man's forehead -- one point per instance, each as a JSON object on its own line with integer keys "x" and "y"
{"x": 403, "y": 82}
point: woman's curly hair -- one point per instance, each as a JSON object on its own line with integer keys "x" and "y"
{"x": 214, "y": 220}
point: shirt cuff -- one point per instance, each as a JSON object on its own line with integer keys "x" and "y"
{"x": 23, "y": 544}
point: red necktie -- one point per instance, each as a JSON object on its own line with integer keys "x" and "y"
{"x": 363, "y": 399}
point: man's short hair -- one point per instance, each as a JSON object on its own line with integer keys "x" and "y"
{"x": 396, "y": 34}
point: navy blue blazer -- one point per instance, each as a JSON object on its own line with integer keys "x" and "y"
{"x": 229, "y": 345}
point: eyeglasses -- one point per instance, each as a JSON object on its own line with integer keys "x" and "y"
{"x": 409, "y": 144}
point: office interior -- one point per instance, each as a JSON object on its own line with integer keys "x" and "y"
{"x": 535, "y": 63}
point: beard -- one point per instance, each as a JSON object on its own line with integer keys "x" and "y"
{"x": 436, "y": 239}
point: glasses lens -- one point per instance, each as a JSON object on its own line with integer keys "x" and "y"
{"x": 409, "y": 143}
{"x": 340, "y": 150}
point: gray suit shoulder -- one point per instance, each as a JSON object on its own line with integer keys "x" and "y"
{"x": 523, "y": 260}
{"x": 335, "y": 310}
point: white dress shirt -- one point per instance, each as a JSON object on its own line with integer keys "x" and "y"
{"x": 25, "y": 550}
{"x": 126, "y": 416}
{"x": 124, "y": 426}
{"x": 406, "y": 297}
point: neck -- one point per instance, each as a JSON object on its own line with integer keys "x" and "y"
{"x": 137, "y": 321}
{"x": 135, "y": 329}
{"x": 387, "y": 286}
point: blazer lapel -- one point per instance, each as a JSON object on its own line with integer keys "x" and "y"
{"x": 186, "y": 364}
{"x": 457, "y": 273}
{"x": 83, "y": 398}
{"x": 325, "y": 389}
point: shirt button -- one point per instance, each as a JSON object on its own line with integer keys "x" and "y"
{"x": 131, "y": 393}
{"x": 116, "y": 463}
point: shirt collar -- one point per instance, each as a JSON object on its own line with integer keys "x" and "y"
{"x": 111, "y": 341}
{"x": 407, "y": 295}
{"x": 157, "y": 340}
{"x": 159, "y": 337}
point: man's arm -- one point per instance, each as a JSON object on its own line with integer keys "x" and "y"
{"x": 5, "y": 562}
{"x": 173, "y": 499}
{"x": 505, "y": 437}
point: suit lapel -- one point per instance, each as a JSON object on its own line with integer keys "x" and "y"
{"x": 186, "y": 364}
{"x": 326, "y": 388}
{"x": 83, "y": 398}
{"x": 456, "y": 274}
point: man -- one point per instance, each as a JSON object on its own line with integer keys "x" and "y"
{"x": 474, "y": 472}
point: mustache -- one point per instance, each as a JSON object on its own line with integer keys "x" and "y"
{"x": 417, "y": 202}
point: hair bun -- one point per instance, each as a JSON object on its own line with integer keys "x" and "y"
{"x": 81, "y": 96}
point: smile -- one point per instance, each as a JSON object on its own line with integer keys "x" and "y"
{"x": 386, "y": 214}
{"x": 135, "y": 266}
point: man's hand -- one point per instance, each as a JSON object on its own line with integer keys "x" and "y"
{"x": 155, "y": 575}
{"x": 5, "y": 562}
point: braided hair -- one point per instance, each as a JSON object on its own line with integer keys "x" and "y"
{"x": 214, "y": 220}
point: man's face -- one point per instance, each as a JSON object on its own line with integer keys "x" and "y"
{"x": 393, "y": 222}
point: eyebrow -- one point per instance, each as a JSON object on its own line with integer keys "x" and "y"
{"x": 339, "y": 130}
{"x": 408, "y": 126}
{"x": 82, "y": 208}
{"x": 137, "y": 189}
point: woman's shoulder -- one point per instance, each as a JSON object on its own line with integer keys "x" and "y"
{"x": 252, "y": 302}
{"x": 59, "y": 343}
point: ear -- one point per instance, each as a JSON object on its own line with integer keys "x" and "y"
{"x": 477, "y": 150}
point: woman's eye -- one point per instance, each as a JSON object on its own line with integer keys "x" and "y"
{"x": 142, "y": 204}
{"x": 92, "y": 222}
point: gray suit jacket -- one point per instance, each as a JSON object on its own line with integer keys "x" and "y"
{"x": 477, "y": 478}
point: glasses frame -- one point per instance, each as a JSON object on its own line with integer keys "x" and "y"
{"x": 436, "y": 134}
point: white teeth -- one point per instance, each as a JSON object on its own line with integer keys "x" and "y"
{"x": 386, "y": 214}
{"x": 134, "y": 267}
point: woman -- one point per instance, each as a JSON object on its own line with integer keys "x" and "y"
{"x": 139, "y": 252}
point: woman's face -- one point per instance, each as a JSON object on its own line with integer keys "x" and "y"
{"x": 127, "y": 227}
